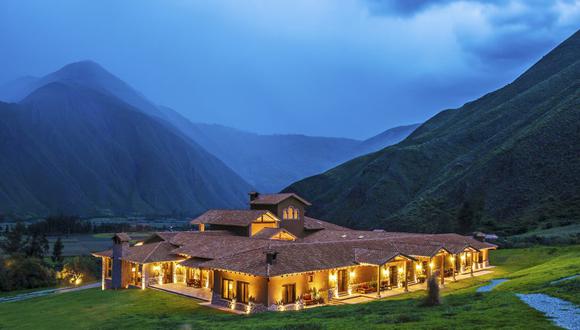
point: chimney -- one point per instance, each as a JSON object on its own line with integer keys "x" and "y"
{"x": 253, "y": 195}
{"x": 271, "y": 257}
{"x": 120, "y": 246}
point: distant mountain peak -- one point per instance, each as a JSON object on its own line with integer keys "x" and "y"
{"x": 83, "y": 71}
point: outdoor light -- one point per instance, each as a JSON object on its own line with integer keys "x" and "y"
{"x": 431, "y": 265}
{"x": 133, "y": 269}
{"x": 463, "y": 257}
{"x": 352, "y": 273}
{"x": 418, "y": 267}
{"x": 400, "y": 269}
{"x": 332, "y": 277}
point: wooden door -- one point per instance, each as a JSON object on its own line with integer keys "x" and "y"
{"x": 393, "y": 275}
{"x": 342, "y": 281}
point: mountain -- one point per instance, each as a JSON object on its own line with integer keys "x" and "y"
{"x": 84, "y": 73}
{"x": 387, "y": 138}
{"x": 507, "y": 162}
{"x": 268, "y": 162}
{"x": 271, "y": 162}
{"x": 72, "y": 149}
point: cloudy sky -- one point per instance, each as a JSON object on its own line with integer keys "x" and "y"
{"x": 334, "y": 68}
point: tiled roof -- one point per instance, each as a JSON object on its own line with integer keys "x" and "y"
{"x": 240, "y": 218}
{"x": 273, "y": 199}
{"x": 123, "y": 237}
{"x": 316, "y": 224}
{"x": 193, "y": 262}
{"x": 375, "y": 257}
{"x": 154, "y": 252}
{"x": 215, "y": 247}
{"x": 294, "y": 258}
{"x": 267, "y": 233}
{"x": 107, "y": 253}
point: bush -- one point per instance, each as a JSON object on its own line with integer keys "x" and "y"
{"x": 79, "y": 269}
{"x": 432, "y": 298}
{"x": 28, "y": 273}
{"x": 4, "y": 279}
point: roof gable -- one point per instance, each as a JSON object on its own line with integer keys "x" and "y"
{"x": 274, "y": 199}
{"x": 236, "y": 218}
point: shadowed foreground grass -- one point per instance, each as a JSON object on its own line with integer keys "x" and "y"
{"x": 529, "y": 270}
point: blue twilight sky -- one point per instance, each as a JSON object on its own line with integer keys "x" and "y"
{"x": 348, "y": 68}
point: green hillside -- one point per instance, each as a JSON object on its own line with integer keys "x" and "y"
{"x": 507, "y": 162}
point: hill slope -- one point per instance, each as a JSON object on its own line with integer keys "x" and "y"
{"x": 74, "y": 150}
{"x": 267, "y": 162}
{"x": 507, "y": 162}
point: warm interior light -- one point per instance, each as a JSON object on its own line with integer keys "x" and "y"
{"x": 431, "y": 265}
{"x": 400, "y": 269}
{"x": 352, "y": 273}
{"x": 133, "y": 269}
{"x": 418, "y": 267}
{"x": 463, "y": 257}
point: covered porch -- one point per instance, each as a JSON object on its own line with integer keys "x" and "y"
{"x": 184, "y": 290}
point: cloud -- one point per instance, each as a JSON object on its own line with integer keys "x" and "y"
{"x": 496, "y": 32}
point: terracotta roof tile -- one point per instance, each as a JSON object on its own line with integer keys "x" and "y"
{"x": 273, "y": 199}
{"x": 240, "y": 218}
{"x": 316, "y": 224}
{"x": 267, "y": 233}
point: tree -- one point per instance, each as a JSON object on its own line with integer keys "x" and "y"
{"x": 37, "y": 246}
{"x": 15, "y": 241}
{"x": 5, "y": 282}
{"x": 28, "y": 273}
{"x": 57, "y": 251}
{"x": 432, "y": 298}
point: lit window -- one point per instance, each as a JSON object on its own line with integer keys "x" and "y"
{"x": 242, "y": 292}
{"x": 289, "y": 294}
{"x": 227, "y": 289}
{"x": 291, "y": 213}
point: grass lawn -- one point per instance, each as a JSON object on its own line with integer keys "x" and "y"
{"x": 529, "y": 270}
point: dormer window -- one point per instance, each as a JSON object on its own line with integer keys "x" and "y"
{"x": 290, "y": 213}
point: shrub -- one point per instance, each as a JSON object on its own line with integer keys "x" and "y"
{"x": 432, "y": 298}
{"x": 79, "y": 269}
{"x": 28, "y": 273}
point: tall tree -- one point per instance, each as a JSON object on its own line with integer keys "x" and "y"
{"x": 37, "y": 246}
{"x": 57, "y": 251}
{"x": 14, "y": 240}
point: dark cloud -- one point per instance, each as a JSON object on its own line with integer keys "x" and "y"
{"x": 401, "y": 7}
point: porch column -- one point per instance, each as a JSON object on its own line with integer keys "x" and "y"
{"x": 379, "y": 281}
{"x": 144, "y": 276}
{"x": 103, "y": 269}
{"x": 442, "y": 270}
{"x": 405, "y": 270}
{"x": 454, "y": 262}
{"x": 472, "y": 264}
{"x": 428, "y": 273}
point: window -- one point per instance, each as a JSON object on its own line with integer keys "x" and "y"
{"x": 227, "y": 289}
{"x": 290, "y": 213}
{"x": 242, "y": 292}
{"x": 289, "y": 293}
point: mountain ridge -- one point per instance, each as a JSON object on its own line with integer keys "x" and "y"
{"x": 450, "y": 173}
